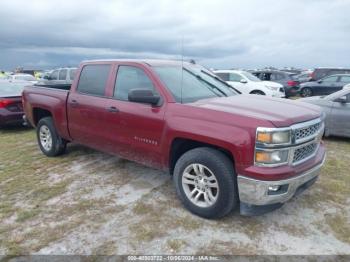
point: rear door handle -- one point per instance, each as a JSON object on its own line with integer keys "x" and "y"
{"x": 113, "y": 109}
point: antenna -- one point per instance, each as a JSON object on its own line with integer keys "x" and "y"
{"x": 182, "y": 65}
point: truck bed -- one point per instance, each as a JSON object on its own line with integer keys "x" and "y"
{"x": 51, "y": 99}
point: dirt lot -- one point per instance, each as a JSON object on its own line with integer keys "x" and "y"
{"x": 86, "y": 202}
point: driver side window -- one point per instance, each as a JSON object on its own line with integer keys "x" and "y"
{"x": 330, "y": 79}
{"x": 235, "y": 77}
{"x": 128, "y": 78}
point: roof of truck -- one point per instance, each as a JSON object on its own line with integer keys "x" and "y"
{"x": 151, "y": 62}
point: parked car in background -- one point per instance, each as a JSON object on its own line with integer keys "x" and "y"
{"x": 59, "y": 76}
{"x": 324, "y": 86}
{"x": 247, "y": 83}
{"x": 22, "y": 77}
{"x": 225, "y": 150}
{"x": 303, "y": 77}
{"x": 290, "y": 84}
{"x": 337, "y": 109}
{"x": 11, "y": 110}
{"x": 319, "y": 73}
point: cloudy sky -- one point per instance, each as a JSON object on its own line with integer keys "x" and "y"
{"x": 220, "y": 34}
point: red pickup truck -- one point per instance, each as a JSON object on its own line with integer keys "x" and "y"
{"x": 225, "y": 150}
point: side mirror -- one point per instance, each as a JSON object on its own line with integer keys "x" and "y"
{"x": 319, "y": 81}
{"x": 243, "y": 81}
{"x": 143, "y": 96}
{"x": 46, "y": 77}
{"x": 342, "y": 100}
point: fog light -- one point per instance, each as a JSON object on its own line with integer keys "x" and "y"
{"x": 274, "y": 188}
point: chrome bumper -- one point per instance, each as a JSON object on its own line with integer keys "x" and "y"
{"x": 256, "y": 192}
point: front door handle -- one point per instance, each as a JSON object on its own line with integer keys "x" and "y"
{"x": 113, "y": 109}
{"x": 74, "y": 103}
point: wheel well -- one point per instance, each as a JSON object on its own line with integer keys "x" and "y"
{"x": 180, "y": 146}
{"x": 257, "y": 91}
{"x": 39, "y": 113}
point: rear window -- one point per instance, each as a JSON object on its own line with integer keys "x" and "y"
{"x": 93, "y": 79}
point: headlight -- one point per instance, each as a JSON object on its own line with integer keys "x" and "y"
{"x": 272, "y": 136}
{"x": 277, "y": 157}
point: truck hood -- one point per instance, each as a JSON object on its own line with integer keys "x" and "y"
{"x": 280, "y": 112}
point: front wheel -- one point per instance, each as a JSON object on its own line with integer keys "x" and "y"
{"x": 257, "y": 92}
{"x": 50, "y": 143}
{"x": 205, "y": 182}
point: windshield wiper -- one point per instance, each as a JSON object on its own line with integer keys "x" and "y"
{"x": 205, "y": 81}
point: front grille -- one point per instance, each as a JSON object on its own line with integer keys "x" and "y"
{"x": 304, "y": 152}
{"x": 308, "y": 131}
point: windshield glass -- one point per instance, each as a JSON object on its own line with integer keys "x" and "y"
{"x": 192, "y": 83}
{"x": 8, "y": 89}
{"x": 250, "y": 76}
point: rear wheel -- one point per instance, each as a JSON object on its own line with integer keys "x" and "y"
{"x": 205, "y": 182}
{"x": 50, "y": 143}
{"x": 305, "y": 92}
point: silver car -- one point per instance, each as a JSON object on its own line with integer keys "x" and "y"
{"x": 337, "y": 109}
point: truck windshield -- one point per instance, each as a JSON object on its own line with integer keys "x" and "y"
{"x": 190, "y": 84}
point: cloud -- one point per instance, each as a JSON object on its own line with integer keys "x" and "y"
{"x": 219, "y": 34}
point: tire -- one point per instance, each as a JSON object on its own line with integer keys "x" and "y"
{"x": 306, "y": 92}
{"x": 257, "y": 92}
{"x": 46, "y": 131}
{"x": 212, "y": 162}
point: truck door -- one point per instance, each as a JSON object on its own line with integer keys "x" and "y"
{"x": 88, "y": 115}
{"x": 137, "y": 128}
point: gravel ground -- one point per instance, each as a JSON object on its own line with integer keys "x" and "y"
{"x": 87, "y": 202}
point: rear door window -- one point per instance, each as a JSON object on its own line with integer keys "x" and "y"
{"x": 54, "y": 75}
{"x": 93, "y": 79}
{"x": 72, "y": 74}
{"x": 62, "y": 74}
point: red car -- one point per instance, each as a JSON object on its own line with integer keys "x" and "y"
{"x": 223, "y": 149}
{"x": 11, "y": 110}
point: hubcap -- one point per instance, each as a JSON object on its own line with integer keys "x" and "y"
{"x": 306, "y": 92}
{"x": 200, "y": 185}
{"x": 45, "y": 138}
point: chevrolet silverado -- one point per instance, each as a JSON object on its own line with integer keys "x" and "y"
{"x": 224, "y": 150}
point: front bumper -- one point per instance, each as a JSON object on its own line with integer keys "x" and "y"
{"x": 257, "y": 192}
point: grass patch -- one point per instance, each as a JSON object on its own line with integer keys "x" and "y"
{"x": 175, "y": 244}
{"x": 25, "y": 215}
{"x": 339, "y": 223}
